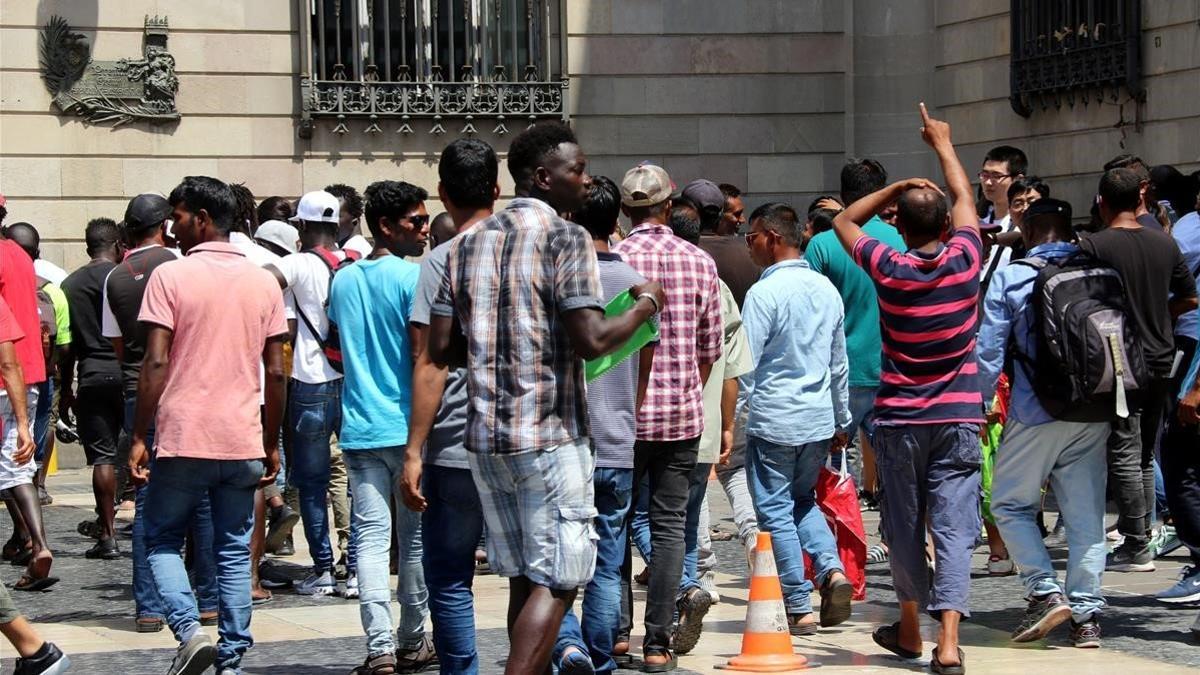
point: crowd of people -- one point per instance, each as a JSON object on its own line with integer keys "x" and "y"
{"x": 560, "y": 387}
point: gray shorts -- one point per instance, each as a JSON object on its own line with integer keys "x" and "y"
{"x": 11, "y": 473}
{"x": 539, "y": 507}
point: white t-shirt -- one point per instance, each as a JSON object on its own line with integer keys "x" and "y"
{"x": 359, "y": 245}
{"x": 1004, "y": 251}
{"x": 307, "y": 279}
{"x": 49, "y": 271}
{"x": 253, "y": 252}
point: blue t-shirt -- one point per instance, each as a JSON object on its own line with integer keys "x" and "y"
{"x": 370, "y": 302}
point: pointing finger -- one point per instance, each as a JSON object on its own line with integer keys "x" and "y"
{"x": 924, "y": 113}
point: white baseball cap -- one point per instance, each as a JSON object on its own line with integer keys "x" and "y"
{"x": 318, "y": 207}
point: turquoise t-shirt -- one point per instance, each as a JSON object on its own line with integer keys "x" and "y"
{"x": 370, "y": 302}
{"x": 826, "y": 255}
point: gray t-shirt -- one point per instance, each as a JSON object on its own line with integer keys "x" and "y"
{"x": 612, "y": 397}
{"x": 445, "y": 445}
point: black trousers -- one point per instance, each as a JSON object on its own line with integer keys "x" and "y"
{"x": 669, "y": 465}
{"x": 1181, "y": 463}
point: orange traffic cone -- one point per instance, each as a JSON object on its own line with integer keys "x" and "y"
{"x": 766, "y": 642}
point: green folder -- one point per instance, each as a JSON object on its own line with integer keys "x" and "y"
{"x": 644, "y": 335}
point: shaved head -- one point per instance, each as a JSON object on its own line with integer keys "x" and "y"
{"x": 922, "y": 212}
{"x": 25, "y": 236}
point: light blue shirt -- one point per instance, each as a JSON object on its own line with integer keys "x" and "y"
{"x": 799, "y": 390}
{"x": 370, "y": 302}
{"x": 1187, "y": 234}
{"x": 1007, "y": 311}
{"x": 1190, "y": 378}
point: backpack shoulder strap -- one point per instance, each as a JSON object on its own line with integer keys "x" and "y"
{"x": 1035, "y": 263}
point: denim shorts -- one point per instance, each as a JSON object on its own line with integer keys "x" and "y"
{"x": 539, "y": 507}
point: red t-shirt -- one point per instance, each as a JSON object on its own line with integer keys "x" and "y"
{"x": 9, "y": 330}
{"x": 18, "y": 289}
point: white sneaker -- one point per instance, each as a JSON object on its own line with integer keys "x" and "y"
{"x": 317, "y": 584}
{"x": 708, "y": 583}
{"x": 351, "y": 591}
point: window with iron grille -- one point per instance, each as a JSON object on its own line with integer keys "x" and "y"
{"x": 401, "y": 60}
{"x": 1064, "y": 51}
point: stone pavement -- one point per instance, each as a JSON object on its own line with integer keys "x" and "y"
{"x": 89, "y": 614}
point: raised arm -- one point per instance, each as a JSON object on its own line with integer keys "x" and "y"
{"x": 936, "y": 133}
{"x": 848, "y": 224}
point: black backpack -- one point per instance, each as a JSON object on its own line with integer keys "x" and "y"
{"x": 1089, "y": 366}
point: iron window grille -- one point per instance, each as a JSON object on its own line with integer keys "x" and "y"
{"x": 403, "y": 60}
{"x": 1068, "y": 50}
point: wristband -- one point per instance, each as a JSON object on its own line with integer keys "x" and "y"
{"x": 652, "y": 300}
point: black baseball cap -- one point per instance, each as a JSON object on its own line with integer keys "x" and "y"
{"x": 146, "y": 211}
{"x": 1049, "y": 207}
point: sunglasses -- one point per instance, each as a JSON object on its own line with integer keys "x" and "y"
{"x": 418, "y": 221}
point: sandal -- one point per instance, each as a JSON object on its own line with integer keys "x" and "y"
{"x": 623, "y": 658}
{"x": 416, "y": 660}
{"x": 34, "y": 584}
{"x": 257, "y": 600}
{"x": 670, "y": 664}
{"x": 14, "y": 547}
{"x": 888, "y": 637}
{"x": 149, "y": 625}
{"x": 937, "y": 666}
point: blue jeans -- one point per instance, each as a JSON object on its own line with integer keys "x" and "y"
{"x": 639, "y": 522}
{"x": 373, "y": 476}
{"x": 42, "y": 439}
{"x": 783, "y": 481}
{"x": 691, "y": 527}
{"x": 173, "y": 496}
{"x": 1072, "y": 456}
{"x": 315, "y": 413}
{"x": 454, "y": 513}
{"x": 601, "y": 607}
{"x": 145, "y": 594}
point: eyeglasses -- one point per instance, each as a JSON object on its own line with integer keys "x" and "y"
{"x": 418, "y": 221}
{"x": 993, "y": 177}
{"x": 1021, "y": 203}
{"x": 751, "y": 235}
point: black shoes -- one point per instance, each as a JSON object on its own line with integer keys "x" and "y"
{"x": 105, "y": 549}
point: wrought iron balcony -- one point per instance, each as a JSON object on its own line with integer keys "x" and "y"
{"x": 391, "y": 62}
{"x": 1081, "y": 50}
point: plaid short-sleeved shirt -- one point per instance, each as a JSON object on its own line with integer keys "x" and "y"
{"x": 508, "y": 280}
{"x": 690, "y": 330}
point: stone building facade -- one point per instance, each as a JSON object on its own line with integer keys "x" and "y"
{"x": 770, "y": 95}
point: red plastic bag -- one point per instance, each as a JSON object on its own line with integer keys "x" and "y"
{"x": 837, "y": 497}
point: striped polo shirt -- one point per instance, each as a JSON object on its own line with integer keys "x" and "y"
{"x": 928, "y": 314}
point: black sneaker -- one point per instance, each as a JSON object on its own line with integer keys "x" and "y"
{"x": 285, "y": 550}
{"x": 1042, "y": 616}
{"x": 105, "y": 549}
{"x": 692, "y": 608}
{"x": 1085, "y": 635}
{"x": 1130, "y": 556}
{"x": 283, "y": 519}
{"x": 49, "y": 660}
{"x": 270, "y": 576}
{"x": 90, "y": 528}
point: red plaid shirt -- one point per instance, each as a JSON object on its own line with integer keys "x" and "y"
{"x": 690, "y": 327}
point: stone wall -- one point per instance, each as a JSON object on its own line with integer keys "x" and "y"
{"x": 750, "y": 92}
{"x": 1069, "y": 146}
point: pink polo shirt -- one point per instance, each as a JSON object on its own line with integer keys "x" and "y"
{"x": 221, "y": 308}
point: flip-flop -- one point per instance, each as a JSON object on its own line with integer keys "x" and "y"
{"x": 938, "y": 667}
{"x": 22, "y": 559}
{"x": 670, "y": 664}
{"x": 262, "y": 600}
{"x": 888, "y": 637}
{"x": 32, "y": 585}
{"x": 13, "y": 548}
